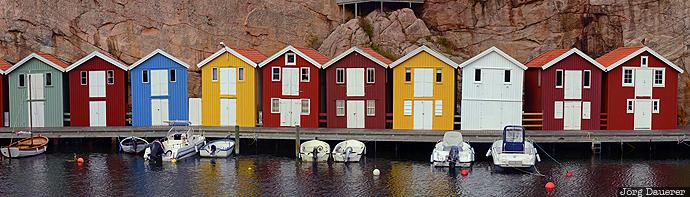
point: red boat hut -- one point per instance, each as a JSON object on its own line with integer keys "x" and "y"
{"x": 4, "y": 99}
{"x": 97, "y": 91}
{"x": 640, "y": 89}
{"x": 290, "y": 88}
{"x": 355, "y": 89}
{"x": 564, "y": 86}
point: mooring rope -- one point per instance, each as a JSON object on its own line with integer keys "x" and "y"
{"x": 547, "y": 154}
{"x": 530, "y": 173}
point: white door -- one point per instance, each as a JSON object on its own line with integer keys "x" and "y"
{"x": 195, "y": 111}
{"x": 643, "y": 114}
{"x": 290, "y": 83}
{"x": 572, "y": 115}
{"x": 228, "y": 112}
{"x": 643, "y": 82}
{"x": 159, "y": 111}
{"x": 423, "y": 114}
{"x": 355, "y": 82}
{"x": 96, "y": 83}
{"x": 228, "y": 82}
{"x": 573, "y": 84}
{"x": 36, "y": 86}
{"x": 36, "y": 113}
{"x": 159, "y": 82}
{"x": 290, "y": 110}
{"x": 97, "y": 115}
{"x": 423, "y": 82}
{"x": 355, "y": 114}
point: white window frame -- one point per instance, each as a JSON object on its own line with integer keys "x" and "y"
{"x": 438, "y": 71}
{"x": 475, "y": 75}
{"x": 562, "y": 78}
{"x": 110, "y": 77}
{"x": 371, "y": 107}
{"x": 510, "y": 76}
{"x": 214, "y": 74}
{"x": 558, "y": 110}
{"x": 407, "y": 107}
{"x": 301, "y": 74}
{"x": 274, "y": 73}
{"x": 658, "y": 106}
{"x": 339, "y": 107}
{"x": 588, "y": 79}
{"x": 630, "y": 106}
{"x": 408, "y": 71}
{"x": 588, "y": 115}
{"x": 173, "y": 75}
{"x": 275, "y": 105}
{"x": 342, "y": 78}
{"x": 438, "y": 108}
{"x": 240, "y": 73}
{"x": 145, "y": 76}
{"x": 83, "y": 78}
{"x": 294, "y": 59}
{"x": 644, "y": 61}
{"x": 48, "y": 77}
{"x": 371, "y": 74}
{"x": 663, "y": 77}
{"x": 632, "y": 78}
{"x": 308, "y": 107}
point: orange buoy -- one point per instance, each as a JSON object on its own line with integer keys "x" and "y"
{"x": 464, "y": 172}
{"x": 80, "y": 160}
{"x": 550, "y": 185}
{"x": 569, "y": 174}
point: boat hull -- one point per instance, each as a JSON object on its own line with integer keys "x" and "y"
{"x": 223, "y": 148}
{"x": 177, "y": 151}
{"x": 340, "y": 151}
{"x": 14, "y": 152}
{"x": 525, "y": 159}
{"x": 128, "y": 147}
{"x": 439, "y": 156}
{"x": 322, "y": 154}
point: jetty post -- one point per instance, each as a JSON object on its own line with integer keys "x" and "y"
{"x": 237, "y": 140}
{"x": 297, "y": 141}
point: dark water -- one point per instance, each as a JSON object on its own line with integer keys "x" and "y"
{"x": 112, "y": 174}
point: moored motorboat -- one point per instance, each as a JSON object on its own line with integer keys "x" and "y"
{"x": 315, "y": 150}
{"x": 452, "y": 151}
{"x": 348, "y": 151}
{"x": 513, "y": 151}
{"x": 177, "y": 145}
{"x": 218, "y": 148}
{"x": 133, "y": 144}
{"x": 26, "y": 147}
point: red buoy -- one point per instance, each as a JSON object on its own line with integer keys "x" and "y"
{"x": 80, "y": 160}
{"x": 464, "y": 172}
{"x": 550, "y": 185}
{"x": 569, "y": 174}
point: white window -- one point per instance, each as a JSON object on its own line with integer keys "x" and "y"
{"x": 477, "y": 75}
{"x": 407, "y": 107}
{"x": 304, "y": 73}
{"x": 173, "y": 75}
{"x": 587, "y": 81}
{"x": 275, "y": 105}
{"x": 628, "y": 76}
{"x": 110, "y": 77}
{"x": 559, "y": 78}
{"x": 339, "y": 107}
{"x": 306, "y": 106}
{"x": 558, "y": 110}
{"x": 659, "y": 77}
{"x": 371, "y": 107}
{"x": 371, "y": 77}
{"x": 145, "y": 76}
{"x": 339, "y": 75}
{"x": 644, "y": 61}
{"x": 506, "y": 76}
{"x": 630, "y": 106}
{"x": 438, "y": 109}
{"x": 655, "y": 106}
{"x": 275, "y": 74}
{"x": 84, "y": 80}
{"x": 290, "y": 59}
{"x": 49, "y": 79}
{"x": 586, "y": 110}
{"x": 22, "y": 80}
{"x": 240, "y": 74}
{"x": 214, "y": 74}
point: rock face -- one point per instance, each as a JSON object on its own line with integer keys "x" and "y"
{"x": 191, "y": 30}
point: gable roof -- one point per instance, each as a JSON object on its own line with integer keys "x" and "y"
{"x": 43, "y": 57}
{"x": 311, "y": 55}
{"x": 4, "y": 65}
{"x": 552, "y": 57}
{"x": 621, "y": 55}
{"x": 158, "y": 51}
{"x": 104, "y": 56}
{"x": 366, "y": 52}
{"x": 250, "y": 56}
{"x": 424, "y": 48}
{"x": 487, "y": 52}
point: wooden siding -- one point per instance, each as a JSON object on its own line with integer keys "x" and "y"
{"x": 141, "y": 92}
{"x": 4, "y": 99}
{"x": 245, "y": 94}
{"x": 116, "y": 106}
{"x": 444, "y": 91}
{"x": 54, "y": 95}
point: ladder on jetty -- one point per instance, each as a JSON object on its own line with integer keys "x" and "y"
{"x": 596, "y": 147}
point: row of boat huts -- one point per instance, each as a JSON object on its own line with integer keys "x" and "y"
{"x": 564, "y": 89}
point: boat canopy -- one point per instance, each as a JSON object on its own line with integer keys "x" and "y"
{"x": 452, "y": 138}
{"x": 513, "y": 139}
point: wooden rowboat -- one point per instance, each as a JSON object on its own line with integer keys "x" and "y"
{"x": 26, "y": 147}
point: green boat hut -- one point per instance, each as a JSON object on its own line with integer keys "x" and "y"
{"x": 36, "y": 86}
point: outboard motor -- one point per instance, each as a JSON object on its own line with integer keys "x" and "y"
{"x": 213, "y": 150}
{"x": 348, "y": 152}
{"x": 156, "y": 155}
{"x": 134, "y": 143}
{"x": 453, "y": 155}
{"x": 315, "y": 152}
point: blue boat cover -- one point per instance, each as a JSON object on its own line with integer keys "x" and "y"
{"x": 513, "y": 139}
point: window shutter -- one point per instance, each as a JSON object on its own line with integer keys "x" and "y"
{"x": 558, "y": 110}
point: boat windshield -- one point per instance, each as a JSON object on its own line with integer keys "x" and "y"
{"x": 514, "y": 136}
{"x": 513, "y": 139}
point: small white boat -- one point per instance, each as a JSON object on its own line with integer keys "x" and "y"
{"x": 218, "y": 148}
{"x": 133, "y": 144}
{"x": 177, "y": 145}
{"x": 34, "y": 145}
{"x": 452, "y": 151}
{"x": 349, "y": 151}
{"x": 315, "y": 150}
{"x": 513, "y": 150}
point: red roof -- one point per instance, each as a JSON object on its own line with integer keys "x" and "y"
{"x": 313, "y": 54}
{"x": 377, "y": 55}
{"x": 546, "y": 58}
{"x": 4, "y": 65}
{"x": 53, "y": 59}
{"x": 252, "y": 54}
{"x": 616, "y": 55}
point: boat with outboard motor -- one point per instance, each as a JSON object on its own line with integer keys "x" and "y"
{"x": 177, "y": 145}
{"x": 218, "y": 148}
{"x": 349, "y": 151}
{"x": 133, "y": 144}
{"x": 513, "y": 151}
{"x": 452, "y": 151}
{"x": 315, "y": 150}
{"x": 31, "y": 146}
